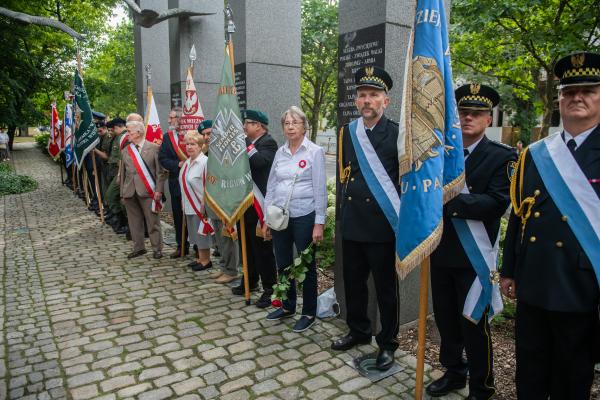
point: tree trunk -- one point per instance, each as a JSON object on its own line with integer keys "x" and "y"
{"x": 314, "y": 122}
{"x": 11, "y": 136}
{"x": 547, "y": 97}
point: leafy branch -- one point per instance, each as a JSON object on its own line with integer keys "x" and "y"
{"x": 295, "y": 272}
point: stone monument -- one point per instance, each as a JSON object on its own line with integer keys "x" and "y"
{"x": 375, "y": 33}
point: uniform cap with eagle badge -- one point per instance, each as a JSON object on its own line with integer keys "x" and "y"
{"x": 205, "y": 124}
{"x": 374, "y": 77}
{"x": 475, "y": 96}
{"x": 578, "y": 69}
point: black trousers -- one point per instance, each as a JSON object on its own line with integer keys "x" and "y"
{"x": 554, "y": 353}
{"x": 259, "y": 253}
{"x": 449, "y": 289}
{"x": 177, "y": 210}
{"x": 360, "y": 259}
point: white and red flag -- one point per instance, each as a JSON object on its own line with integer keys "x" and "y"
{"x": 153, "y": 132}
{"x": 54, "y": 147}
{"x": 192, "y": 110}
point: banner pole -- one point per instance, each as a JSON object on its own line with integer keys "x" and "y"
{"x": 245, "y": 261}
{"x": 98, "y": 191}
{"x": 85, "y": 187}
{"x": 423, "y": 300}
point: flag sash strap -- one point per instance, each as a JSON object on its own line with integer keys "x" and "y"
{"x": 572, "y": 193}
{"x": 376, "y": 176}
{"x": 123, "y": 140}
{"x": 259, "y": 204}
{"x": 482, "y": 255}
{"x": 205, "y": 226}
{"x": 176, "y": 148}
{"x": 145, "y": 175}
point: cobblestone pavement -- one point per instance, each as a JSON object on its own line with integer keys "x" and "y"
{"x": 80, "y": 321}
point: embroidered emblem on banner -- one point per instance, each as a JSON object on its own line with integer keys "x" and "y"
{"x": 226, "y": 141}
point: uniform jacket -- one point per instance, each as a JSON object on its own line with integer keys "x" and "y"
{"x": 169, "y": 161}
{"x": 260, "y": 162}
{"x": 130, "y": 182}
{"x": 361, "y": 218}
{"x": 487, "y": 177}
{"x": 550, "y": 269}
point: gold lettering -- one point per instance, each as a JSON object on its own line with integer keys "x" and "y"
{"x": 437, "y": 185}
{"x": 404, "y": 187}
{"x": 426, "y": 184}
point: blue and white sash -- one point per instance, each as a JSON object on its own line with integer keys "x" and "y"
{"x": 376, "y": 176}
{"x": 572, "y": 193}
{"x": 483, "y": 256}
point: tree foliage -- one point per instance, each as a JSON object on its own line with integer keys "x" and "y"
{"x": 37, "y": 63}
{"x": 110, "y": 75}
{"x": 319, "y": 62}
{"x": 517, "y": 43}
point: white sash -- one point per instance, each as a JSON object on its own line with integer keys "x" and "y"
{"x": 572, "y": 193}
{"x": 483, "y": 256}
{"x": 375, "y": 175}
{"x": 205, "y": 227}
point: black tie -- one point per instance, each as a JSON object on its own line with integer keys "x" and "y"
{"x": 368, "y": 132}
{"x": 466, "y": 152}
{"x": 572, "y": 145}
{"x": 137, "y": 147}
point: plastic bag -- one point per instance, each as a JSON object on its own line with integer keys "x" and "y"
{"x": 327, "y": 305}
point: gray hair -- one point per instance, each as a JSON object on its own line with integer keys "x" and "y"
{"x": 294, "y": 111}
{"x": 137, "y": 125}
{"x": 135, "y": 117}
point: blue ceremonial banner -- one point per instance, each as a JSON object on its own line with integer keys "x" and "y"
{"x": 68, "y": 134}
{"x": 430, "y": 141}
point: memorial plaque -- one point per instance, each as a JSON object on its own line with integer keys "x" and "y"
{"x": 356, "y": 49}
{"x": 175, "y": 95}
{"x": 240, "y": 84}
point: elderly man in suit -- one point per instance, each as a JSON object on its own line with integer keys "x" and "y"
{"x": 141, "y": 180}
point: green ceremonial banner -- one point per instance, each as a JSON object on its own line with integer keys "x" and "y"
{"x": 86, "y": 135}
{"x": 228, "y": 181}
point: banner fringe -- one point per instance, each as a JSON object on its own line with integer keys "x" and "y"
{"x": 419, "y": 253}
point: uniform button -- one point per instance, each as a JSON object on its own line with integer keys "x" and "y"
{"x": 352, "y": 179}
{"x": 564, "y": 218}
{"x": 470, "y": 187}
{"x": 454, "y": 214}
{"x": 532, "y": 239}
{"x": 367, "y": 199}
{"x": 536, "y": 214}
{"x": 537, "y": 192}
{"x": 349, "y": 198}
{"x": 559, "y": 244}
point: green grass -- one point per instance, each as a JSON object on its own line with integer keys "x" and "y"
{"x": 24, "y": 139}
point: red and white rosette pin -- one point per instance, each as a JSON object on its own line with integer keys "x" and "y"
{"x": 302, "y": 163}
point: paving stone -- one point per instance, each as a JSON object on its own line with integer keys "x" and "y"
{"x": 152, "y": 373}
{"x": 117, "y": 382}
{"x": 237, "y": 384}
{"x": 316, "y": 383}
{"x": 240, "y": 368}
{"x": 188, "y": 385}
{"x": 83, "y": 379}
{"x": 134, "y": 390}
{"x": 84, "y": 392}
{"x": 267, "y": 386}
{"x": 157, "y": 394}
{"x": 291, "y": 377}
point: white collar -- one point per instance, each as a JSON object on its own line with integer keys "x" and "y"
{"x": 579, "y": 139}
{"x": 304, "y": 144}
{"x": 472, "y": 147}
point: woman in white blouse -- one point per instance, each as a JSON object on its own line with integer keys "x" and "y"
{"x": 191, "y": 182}
{"x": 299, "y": 168}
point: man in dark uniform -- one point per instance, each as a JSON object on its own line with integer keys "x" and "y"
{"x": 118, "y": 221}
{"x": 172, "y": 159}
{"x": 487, "y": 168}
{"x": 368, "y": 239}
{"x": 261, "y": 149}
{"x": 549, "y": 260}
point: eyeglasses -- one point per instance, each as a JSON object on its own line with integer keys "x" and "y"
{"x": 295, "y": 123}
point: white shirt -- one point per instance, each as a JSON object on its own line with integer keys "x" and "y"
{"x": 194, "y": 180}
{"x": 472, "y": 147}
{"x": 579, "y": 139}
{"x": 310, "y": 191}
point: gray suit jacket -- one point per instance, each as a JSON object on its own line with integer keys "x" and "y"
{"x": 130, "y": 182}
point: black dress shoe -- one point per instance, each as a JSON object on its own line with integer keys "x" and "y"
{"x": 157, "y": 254}
{"x": 137, "y": 253}
{"x": 445, "y": 385}
{"x": 385, "y": 359}
{"x": 200, "y": 267}
{"x": 347, "y": 342}
{"x": 265, "y": 300}
{"x": 239, "y": 290}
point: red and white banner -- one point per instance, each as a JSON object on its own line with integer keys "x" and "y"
{"x": 54, "y": 141}
{"x": 192, "y": 110}
{"x": 205, "y": 227}
{"x": 153, "y": 131}
{"x": 145, "y": 176}
{"x": 177, "y": 146}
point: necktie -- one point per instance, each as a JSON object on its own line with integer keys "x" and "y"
{"x": 137, "y": 147}
{"x": 368, "y": 132}
{"x": 572, "y": 146}
{"x": 466, "y": 152}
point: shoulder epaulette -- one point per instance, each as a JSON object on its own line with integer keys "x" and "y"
{"x": 502, "y": 145}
